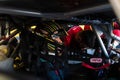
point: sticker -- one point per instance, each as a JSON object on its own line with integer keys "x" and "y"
{"x": 96, "y": 60}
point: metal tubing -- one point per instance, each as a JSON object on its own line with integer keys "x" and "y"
{"x": 100, "y": 41}
{"x": 60, "y": 15}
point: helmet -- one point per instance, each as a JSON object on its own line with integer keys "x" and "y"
{"x": 51, "y": 27}
{"x": 87, "y": 27}
{"x": 116, "y": 25}
{"x": 116, "y": 32}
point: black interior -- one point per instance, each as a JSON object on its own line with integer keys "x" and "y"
{"x": 29, "y": 12}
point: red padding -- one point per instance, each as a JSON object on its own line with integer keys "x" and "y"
{"x": 91, "y": 67}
